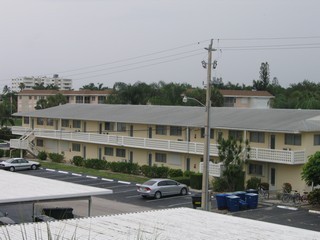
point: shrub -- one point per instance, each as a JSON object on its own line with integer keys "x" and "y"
{"x": 1, "y": 153}
{"x": 95, "y": 163}
{"x": 173, "y": 173}
{"x": 78, "y": 161}
{"x": 56, "y": 157}
{"x": 184, "y": 180}
{"x": 162, "y": 172}
{"x": 16, "y": 153}
{"x": 286, "y": 188}
{"x": 196, "y": 181}
{"x": 187, "y": 173}
{"x": 253, "y": 183}
{"x": 148, "y": 171}
{"x": 7, "y": 153}
{"x": 264, "y": 185}
{"x": 42, "y": 155}
{"x": 314, "y": 197}
{"x": 125, "y": 167}
{"x": 220, "y": 184}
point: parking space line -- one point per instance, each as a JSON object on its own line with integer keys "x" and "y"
{"x": 93, "y": 177}
{"x": 50, "y": 170}
{"x": 287, "y": 207}
{"x": 106, "y": 179}
{"x": 178, "y": 204}
{"x": 161, "y": 199}
{"x": 76, "y": 174}
{"x": 64, "y": 172}
{"x": 124, "y": 182}
{"x": 133, "y": 196}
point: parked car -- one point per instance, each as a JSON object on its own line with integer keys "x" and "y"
{"x": 158, "y": 188}
{"x": 14, "y": 164}
{"x": 4, "y": 219}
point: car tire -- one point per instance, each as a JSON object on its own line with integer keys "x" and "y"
{"x": 34, "y": 167}
{"x": 157, "y": 195}
{"x": 12, "y": 169}
{"x": 184, "y": 191}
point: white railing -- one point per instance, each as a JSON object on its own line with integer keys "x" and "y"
{"x": 257, "y": 154}
{"x": 215, "y": 169}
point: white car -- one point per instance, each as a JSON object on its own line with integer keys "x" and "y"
{"x": 159, "y": 187}
{"x": 14, "y": 164}
{"x": 4, "y": 219}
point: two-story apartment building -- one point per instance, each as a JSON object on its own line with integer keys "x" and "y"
{"x": 27, "y": 99}
{"x": 173, "y": 136}
{"x": 246, "y": 98}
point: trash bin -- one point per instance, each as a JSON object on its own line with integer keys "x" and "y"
{"x": 233, "y": 203}
{"x": 252, "y": 191}
{"x": 196, "y": 200}
{"x": 252, "y": 200}
{"x": 59, "y": 213}
{"x": 240, "y": 194}
{"x": 243, "y": 205}
{"x": 222, "y": 200}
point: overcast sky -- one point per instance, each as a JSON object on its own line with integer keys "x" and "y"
{"x": 108, "y": 41}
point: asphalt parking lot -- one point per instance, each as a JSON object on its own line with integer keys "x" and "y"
{"x": 126, "y": 199}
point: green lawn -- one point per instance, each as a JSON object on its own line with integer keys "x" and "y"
{"x": 93, "y": 172}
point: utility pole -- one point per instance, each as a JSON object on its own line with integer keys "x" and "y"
{"x": 206, "y": 152}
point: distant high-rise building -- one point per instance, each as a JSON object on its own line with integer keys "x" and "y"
{"x": 30, "y": 82}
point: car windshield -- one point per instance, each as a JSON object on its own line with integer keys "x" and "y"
{"x": 149, "y": 183}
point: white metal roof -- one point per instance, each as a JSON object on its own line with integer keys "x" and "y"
{"x": 274, "y": 120}
{"x": 179, "y": 223}
{"x": 16, "y": 187}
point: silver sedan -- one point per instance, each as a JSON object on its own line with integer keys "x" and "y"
{"x": 160, "y": 187}
{"x": 14, "y": 164}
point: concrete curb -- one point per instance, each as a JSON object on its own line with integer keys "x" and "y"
{"x": 314, "y": 211}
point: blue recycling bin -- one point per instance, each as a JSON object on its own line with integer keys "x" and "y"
{"x": 240, "y": 194}
{"x": 222, "y": 200}
{"x": 243, "y": 205}
{"x": 252, "y": 200}
{"x": 233, "y": 203}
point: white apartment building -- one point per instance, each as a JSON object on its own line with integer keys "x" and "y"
{"x": 30, "y": 82}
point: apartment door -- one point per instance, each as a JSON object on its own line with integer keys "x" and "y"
{"x": 150, "y": 132}
{"x": 188, "y": 164}
{"x": 150, "y": 159}
{"x": 273, "y": 141}
{"x": 84, "y": 126}
{"x": 84, "y": 152}
{"x": 100, "y": 128}
{"x": 131, "y": 130}
{"x": 99, "y": 153}
{"x": 32, "y": 123}
{"x": 272, "y": 182}
{"x": 131, "y": 157}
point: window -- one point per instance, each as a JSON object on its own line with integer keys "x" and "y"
{"x": 40, "y": 142}
{"x": 86, "y": 99}
{"x": 316, "y": 139}
{"x": 211, "y": 133}
{"x": 76, "y": 123}
{"x": 121, "y": 127}
{"x": 257, "y": 137}
{"x": 93, "y": 98}
{"x": 109, "y": 126}
{"x": 229, "y": 101}
{"x": 49, "y": 122}
{"x": 161, "y": 157}
{"x": 79, "y": 99}
{"x": 108, "y": 151}
{"x": 161, "y": 130}
{"x": 35, "y": 97}
{"x": 292, "y": 139}
{"x": 220, "y": 136}
{"x": 120, "y": 152}
{"x": 101, "y": 99}
{"x": 237, "y": 135}
{"x": 175, "y": 131}
{"x": 40, "y": 121}
{"x": 255, "y": 169}
{"x": 76, "y": 147}
{"x": 64, "y": 123}
{"x": 26, "y": 120}
{"x": 30, "y": 97}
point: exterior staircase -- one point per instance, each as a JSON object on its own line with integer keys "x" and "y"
{"x": 25, "y": 142}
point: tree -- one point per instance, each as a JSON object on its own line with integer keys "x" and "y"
{"x": 233, "y": 155}
{"x": 51, "y": 101}
{"x": 311, "y": 170}
{"x": 263, "y": 82}
{"x": 92, "y": 86}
